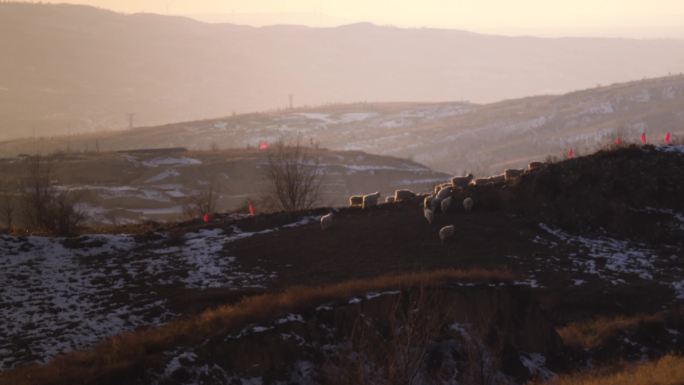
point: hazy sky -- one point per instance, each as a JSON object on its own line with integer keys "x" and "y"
{"x": 637, "y": 18}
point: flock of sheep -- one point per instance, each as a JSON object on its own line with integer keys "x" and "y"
{"x": 440, "y": 200}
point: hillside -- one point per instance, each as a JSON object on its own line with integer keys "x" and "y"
{"x": 134, "y": 186}
{"x": 576, "y": 265}
{"x": 449, "y": 137}
{"x": 71, "y": 69}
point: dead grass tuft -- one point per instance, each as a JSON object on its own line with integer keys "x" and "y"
{"x": 593, "y": 333}
{"x": 668, "y": 370}
{"x": 124, "y": 358}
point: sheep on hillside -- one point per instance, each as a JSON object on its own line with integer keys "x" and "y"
{"x": 535, "y": 166}
{"x": 446, "y": 232}
{"x": 444, "y": 192}
{"x": 370, "y": 200}
{"x": 356, "y": 201}
{"x": 480, "y": 182}
{"x": 435, "y": 204}
{"x": 446, "y": 202}
{"x": 461, "y": 182}
{"x": 497, "y": 179}
{"x": 468, "y": 204}
{"x": 402, "y": 195}
{"x": 429, "y": 215}
{"x": 439, "y": 187}
{"x": 511, "y": 174}
{"x": 326, "y": 221}
{"x": 427, "y": 200}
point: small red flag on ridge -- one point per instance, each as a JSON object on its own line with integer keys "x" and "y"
{"x": 643, "y": 138}
{"x": 205, "y": 218}
{"x": 571, "y": 153}
{"x": 618, "y": 141}
{"x": 667, "y": 138}
{"x": 251, "y": 207}
{"x": 263, "y": 145}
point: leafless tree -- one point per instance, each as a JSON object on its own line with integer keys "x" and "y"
{"x": 37, "y": 192}
{"x": 295, "y": 175}
{"x": 44, "y": 206}
{"x": 7, "y": 209}
{"x": 65, "y": 215}
{"x": 393, "y": 349}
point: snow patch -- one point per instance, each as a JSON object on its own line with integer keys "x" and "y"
{"x": 535, "y": 364}
{"x": 170, "y": 161}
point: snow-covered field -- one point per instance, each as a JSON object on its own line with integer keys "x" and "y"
{"x": 60, "y": 295}
{"x": 612, "y": 260}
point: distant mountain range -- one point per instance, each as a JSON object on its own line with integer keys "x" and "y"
{"x": 449, "y": 137}
{"x": 70, "y": 69}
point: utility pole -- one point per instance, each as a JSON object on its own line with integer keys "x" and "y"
{"x": 291, "y": 103}
{"x": 131, "y": 118}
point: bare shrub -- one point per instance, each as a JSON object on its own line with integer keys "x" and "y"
{"x": 589, "y": 334}
{"x": 294, "y": 175}
{"x": 482, "y": 348}
{"x": 44, "y": 206}
{"x": 394, "y": 347}
{"x": 7, "y": 210}
{"x": 202, "y": 202}
{"x": 37, "y": 192}
{"x": 413, "y": 343}
{"x": 65, "y": 216}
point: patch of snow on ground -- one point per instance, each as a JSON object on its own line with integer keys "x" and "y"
{"x": 55, "y": 299}
{"x": 529, "y": 282}
{"x": 171, "y": 161}
{"x": 620, "y": 256}
{"x": 535, "y": 364}
{"x": 601, "y": 108}
{"x": 677, "y": 148}
{"x": 170, "y": 173}
{"x": 678, "y": 288}
{"x": 59, "y": 295}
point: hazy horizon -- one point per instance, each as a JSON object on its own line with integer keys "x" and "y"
{"x": 584, "y": 18}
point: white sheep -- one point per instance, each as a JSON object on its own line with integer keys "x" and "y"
{"x": 480, "y": 182}
{"x": 512, "y": 174}
{"x": 446, "y": 232}
{"x": 468, "y": 204}
{"x": 326, "y": 221}
{"x": 435, "y": 204}
{"x": 402, "y": 195}
{"x": 446, "y": 202}
{"x": 355, "y": 200}
{"x": 371, "y": 200}
{"x": 427, "y": 200}
{"x": 461, "y": 182}
{"x": 532, "y": 166}
{"x": 429, "y": 215}
{"x": 444, "y": 192}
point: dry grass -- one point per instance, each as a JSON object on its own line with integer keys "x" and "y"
{"x": 593, "y": 333}
{"x": 124, "y": 358}
{"x": 668, "y": 370}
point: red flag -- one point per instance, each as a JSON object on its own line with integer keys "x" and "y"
{"x": 571, "y": 153}
{"x": 251, "y": 207}
{"x": 205, "y": 218}
{"x": 618, "y": 141}
{"x": 263, "y": 145}
{"x": 643, "y": 138}
{"x": 667, "y": 138}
